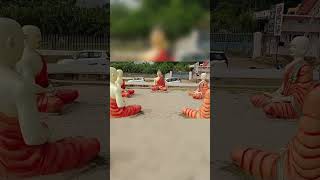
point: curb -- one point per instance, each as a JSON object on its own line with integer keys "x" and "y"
{"x": 142, "y": 86}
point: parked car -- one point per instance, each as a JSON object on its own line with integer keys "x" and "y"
{"x": 88, "y": 57}
{"x": 173, "y": 80}
{"x": 137, "y": 79}
{"x": 218, "y": 57}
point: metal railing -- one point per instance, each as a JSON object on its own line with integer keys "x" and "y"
{"x": 74, "y": 42}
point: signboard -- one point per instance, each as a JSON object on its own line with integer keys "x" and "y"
{"x": 278, "y": 19}
{"x": 262, "y": 14}
{"x": 270, "y": 27}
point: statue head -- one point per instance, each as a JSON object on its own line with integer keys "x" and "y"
{"x": 32, "y": 36}
{"x": 11, "y": 42}
{"x": 299, "y": 46}
{"x": 113, "y": 74}
{"x": 158, "y": 38}
{"x": 203, "y": 76}
{"x": 159, "y": 73}
{"x": 120, "y": 73}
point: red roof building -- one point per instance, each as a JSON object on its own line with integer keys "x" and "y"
{"x": 307, "y": 6}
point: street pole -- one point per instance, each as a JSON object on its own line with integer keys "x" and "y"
{"x": 277, "y": 63}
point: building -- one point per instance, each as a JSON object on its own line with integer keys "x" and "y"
{"x": 302, "y": 20}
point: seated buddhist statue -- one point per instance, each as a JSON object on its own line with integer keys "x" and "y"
{"x": 159, "y": 47}
{"x": 33, "y": 67}
{"x": 299, "y": 160}
{"x": 121, "y": 83}
{"x": 118, "y": 108}
{"x": 28, "y": 146}
{"x": 159, "y": 83}
{"x": 287, "y": 101}
{"x": 203, "y": 112}
{"x": 203, "y": 86}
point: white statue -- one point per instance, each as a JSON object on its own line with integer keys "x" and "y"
{"x": 287, "y": 101}
{"x": 17, "y": 96}
{"x": 119, "y": 78}
{"x": 26, "y": 142}
{"x": 118, "y": 107}
{"x": 31, "y": 63}
{"x": 115, "y": 89}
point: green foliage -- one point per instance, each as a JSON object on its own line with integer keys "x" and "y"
{"x": 57, "y": 17}
{"x": 147, "y": 68}
{"x": 177, "y": 17}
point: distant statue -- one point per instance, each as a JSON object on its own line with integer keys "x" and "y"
{"x": 287, "y": 101}
{"x": 159, "y": 47}
{"x": 203, "y": 112}
{"x": 294, "y": 11}
{"x": 33, "y": 68}
{"x": 159, "y": 83}
{"x": 299, "y": 160}
{"x": 203, "y": 86}
{"x": 28, "y": 147}
{"x": 118, "y": 108}
{"x": 121, "y": 83}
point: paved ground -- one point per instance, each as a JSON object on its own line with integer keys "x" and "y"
{"x": 86, "y": 118}
{"x": 237, "y": 123}
{"x": 160, "y": 144}
{"x": 238, "y": 62}
{"x": 246, "y": 68}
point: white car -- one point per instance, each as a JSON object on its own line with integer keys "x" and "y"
{"x": 88, "y": 57}
{"x": 137, "y": 79}
{"x": 219, "y": 57}
{"x": 173, "y": 80}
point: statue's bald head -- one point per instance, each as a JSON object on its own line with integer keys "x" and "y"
{"x": 32, "y": 36}
{"x": 203, "y": 76}
{"x": 299, "y": 46}
{"x": 113, "y": 74}
{"x": 120, "y": 73}
{"x": 11, "y": 42}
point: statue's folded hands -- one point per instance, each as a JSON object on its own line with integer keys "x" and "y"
{"x": 297, "y": 83}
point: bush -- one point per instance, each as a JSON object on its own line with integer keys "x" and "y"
{"x": 147, "y": 68}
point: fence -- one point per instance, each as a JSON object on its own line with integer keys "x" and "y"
{"x": 181, "y": 75}
{"x": 74, "y": 42}
{"x": 232, "y": 43}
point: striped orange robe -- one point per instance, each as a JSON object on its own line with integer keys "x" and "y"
{"x": 126, "y": 111}
{"x": 203, "y": 112}
{"x": 200, "y": 92}
{"x": 21, "y": 160}
{"x": 298, "y": 81}
{"x": 300, "y": 160}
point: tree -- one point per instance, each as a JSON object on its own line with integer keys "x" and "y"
{"x": 63, "y": 17}
{"x": 177, "y": 17}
